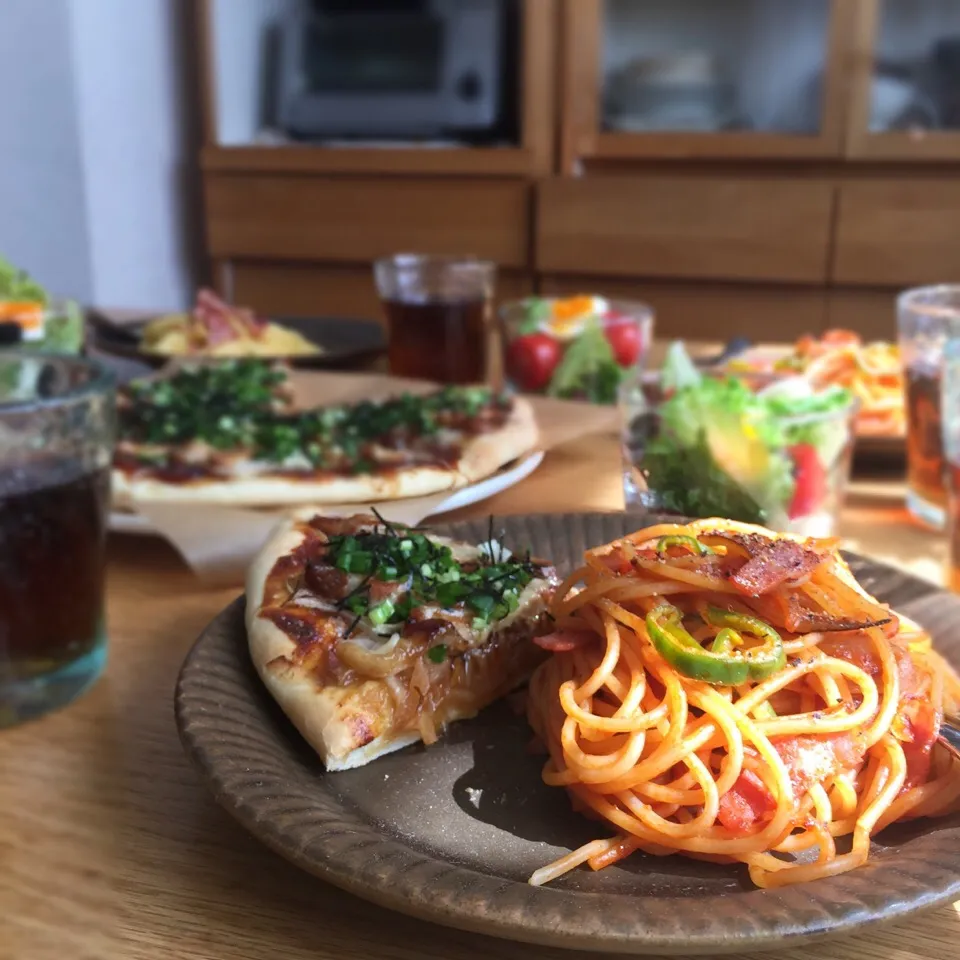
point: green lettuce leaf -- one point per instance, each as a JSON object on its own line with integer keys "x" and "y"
{"x": 724, "y": 447}
{"x": 537, "y": 311}
{"x": 588, "y": 368}
{"x": 817, "y": 418}
{"x": 688, "y": 480}
{"x": 16, "y": 284}
{"x": 678, "y": 371}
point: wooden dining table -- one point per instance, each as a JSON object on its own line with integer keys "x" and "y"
{"x": 111, "y": 848}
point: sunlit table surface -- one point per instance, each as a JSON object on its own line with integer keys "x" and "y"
{"x": 111, "y": 849}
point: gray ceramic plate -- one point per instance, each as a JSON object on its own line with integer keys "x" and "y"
{"x": 451, "y": 833}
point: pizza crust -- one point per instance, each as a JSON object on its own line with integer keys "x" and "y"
{"x": 482, "y": 456}
{"x": 318, "y": 713}
{"x": 325, "y": 716}
{"x": 265, "y": 490}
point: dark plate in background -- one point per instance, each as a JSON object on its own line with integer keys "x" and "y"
{"x": 344, "y": 341}
{"x": 451, "y": 833}
{"x": 888, "y": 448}
{"x": 880, "y": 457}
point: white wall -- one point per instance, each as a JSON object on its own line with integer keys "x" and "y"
{"x": 240, "y": 37}
{"x": 97, "y": 149}
{"x": 43, "y": 214}
{"x": 136, "y": 147}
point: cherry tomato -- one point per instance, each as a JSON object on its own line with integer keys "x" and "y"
{"x": 531, "y": 360}
{"x": 625, "y": 338}
{"x": 811, "y": 481}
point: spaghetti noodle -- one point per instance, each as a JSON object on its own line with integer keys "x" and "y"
{"x": 727, "y": 693}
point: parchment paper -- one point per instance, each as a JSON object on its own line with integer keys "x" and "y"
{"x": 219, "y": 542}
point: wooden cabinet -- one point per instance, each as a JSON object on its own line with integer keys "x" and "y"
{"x": 905, "y": 81}
{"x": 871, "y": 311}
{"x": 710, "y": 311}
{"x": 351, "y": 219}
{"x": 861, "y": 79}
{"x": 277, "y": 288}
{"x": 897, "y": 232}
{"x": 336, "y": 290}
{"x": 763, "y": 167}
{"x": 698, "y": 227}
{"x": 236, "y": 40}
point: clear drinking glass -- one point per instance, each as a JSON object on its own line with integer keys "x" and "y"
{"x": 57, "y": 425}
{"x": 927, "y": 317}
{"x": 438, "y": 314}
{"x": 950, "y": 405}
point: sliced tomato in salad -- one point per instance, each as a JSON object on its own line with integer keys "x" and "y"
{"x": 810, "y": 478}
{"x": 531, "y": 360}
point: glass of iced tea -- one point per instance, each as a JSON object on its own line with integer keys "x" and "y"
{"x": 56, "y": 444}
{"x": 438, "y": 315}
{"x": 950, "y": 405}
{"x": 927, "y": 317}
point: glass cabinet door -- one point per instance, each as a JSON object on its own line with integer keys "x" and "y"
{"x": 707, "y": 77}
{"x": 907, "y": 90}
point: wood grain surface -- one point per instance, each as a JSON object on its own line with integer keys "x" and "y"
{"x": 281, "y": 289}
{"x": 110, "y": 848}
{"x": 356, "y": 219}
{"x": 896, "y": 232}
{"x": 695, "y": 311}
{"x": 705, "y": 227}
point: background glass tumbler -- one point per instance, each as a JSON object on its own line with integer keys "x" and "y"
{"x": 438, "y": 314}
{"x": 57, "y": 423}
{"x": 926, "y": 318}
{"x": 950, "y": 406}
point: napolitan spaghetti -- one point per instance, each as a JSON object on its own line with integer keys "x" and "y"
{"x": 873, "y": 372}
{"x": 731, "y": 694}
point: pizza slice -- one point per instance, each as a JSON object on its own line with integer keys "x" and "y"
{"x": 372, "y": 637}
{"x": 229, "y": 434}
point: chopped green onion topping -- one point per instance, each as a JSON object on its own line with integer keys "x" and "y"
{"x": 240, "y": 404}
{"x": 381, "y": 613}
{"x": 430, "y": 575}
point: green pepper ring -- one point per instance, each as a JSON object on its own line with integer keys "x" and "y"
{"x": 723, "y": 667}
{"x": 682, "y": 540}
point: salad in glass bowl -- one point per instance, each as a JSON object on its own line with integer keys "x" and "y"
{"x": 706, "y": 446}
{"x": 576, "y": 348}
{"x": 31, "y": 320}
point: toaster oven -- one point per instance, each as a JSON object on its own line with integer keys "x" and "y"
{"x": 432, "y": 68}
